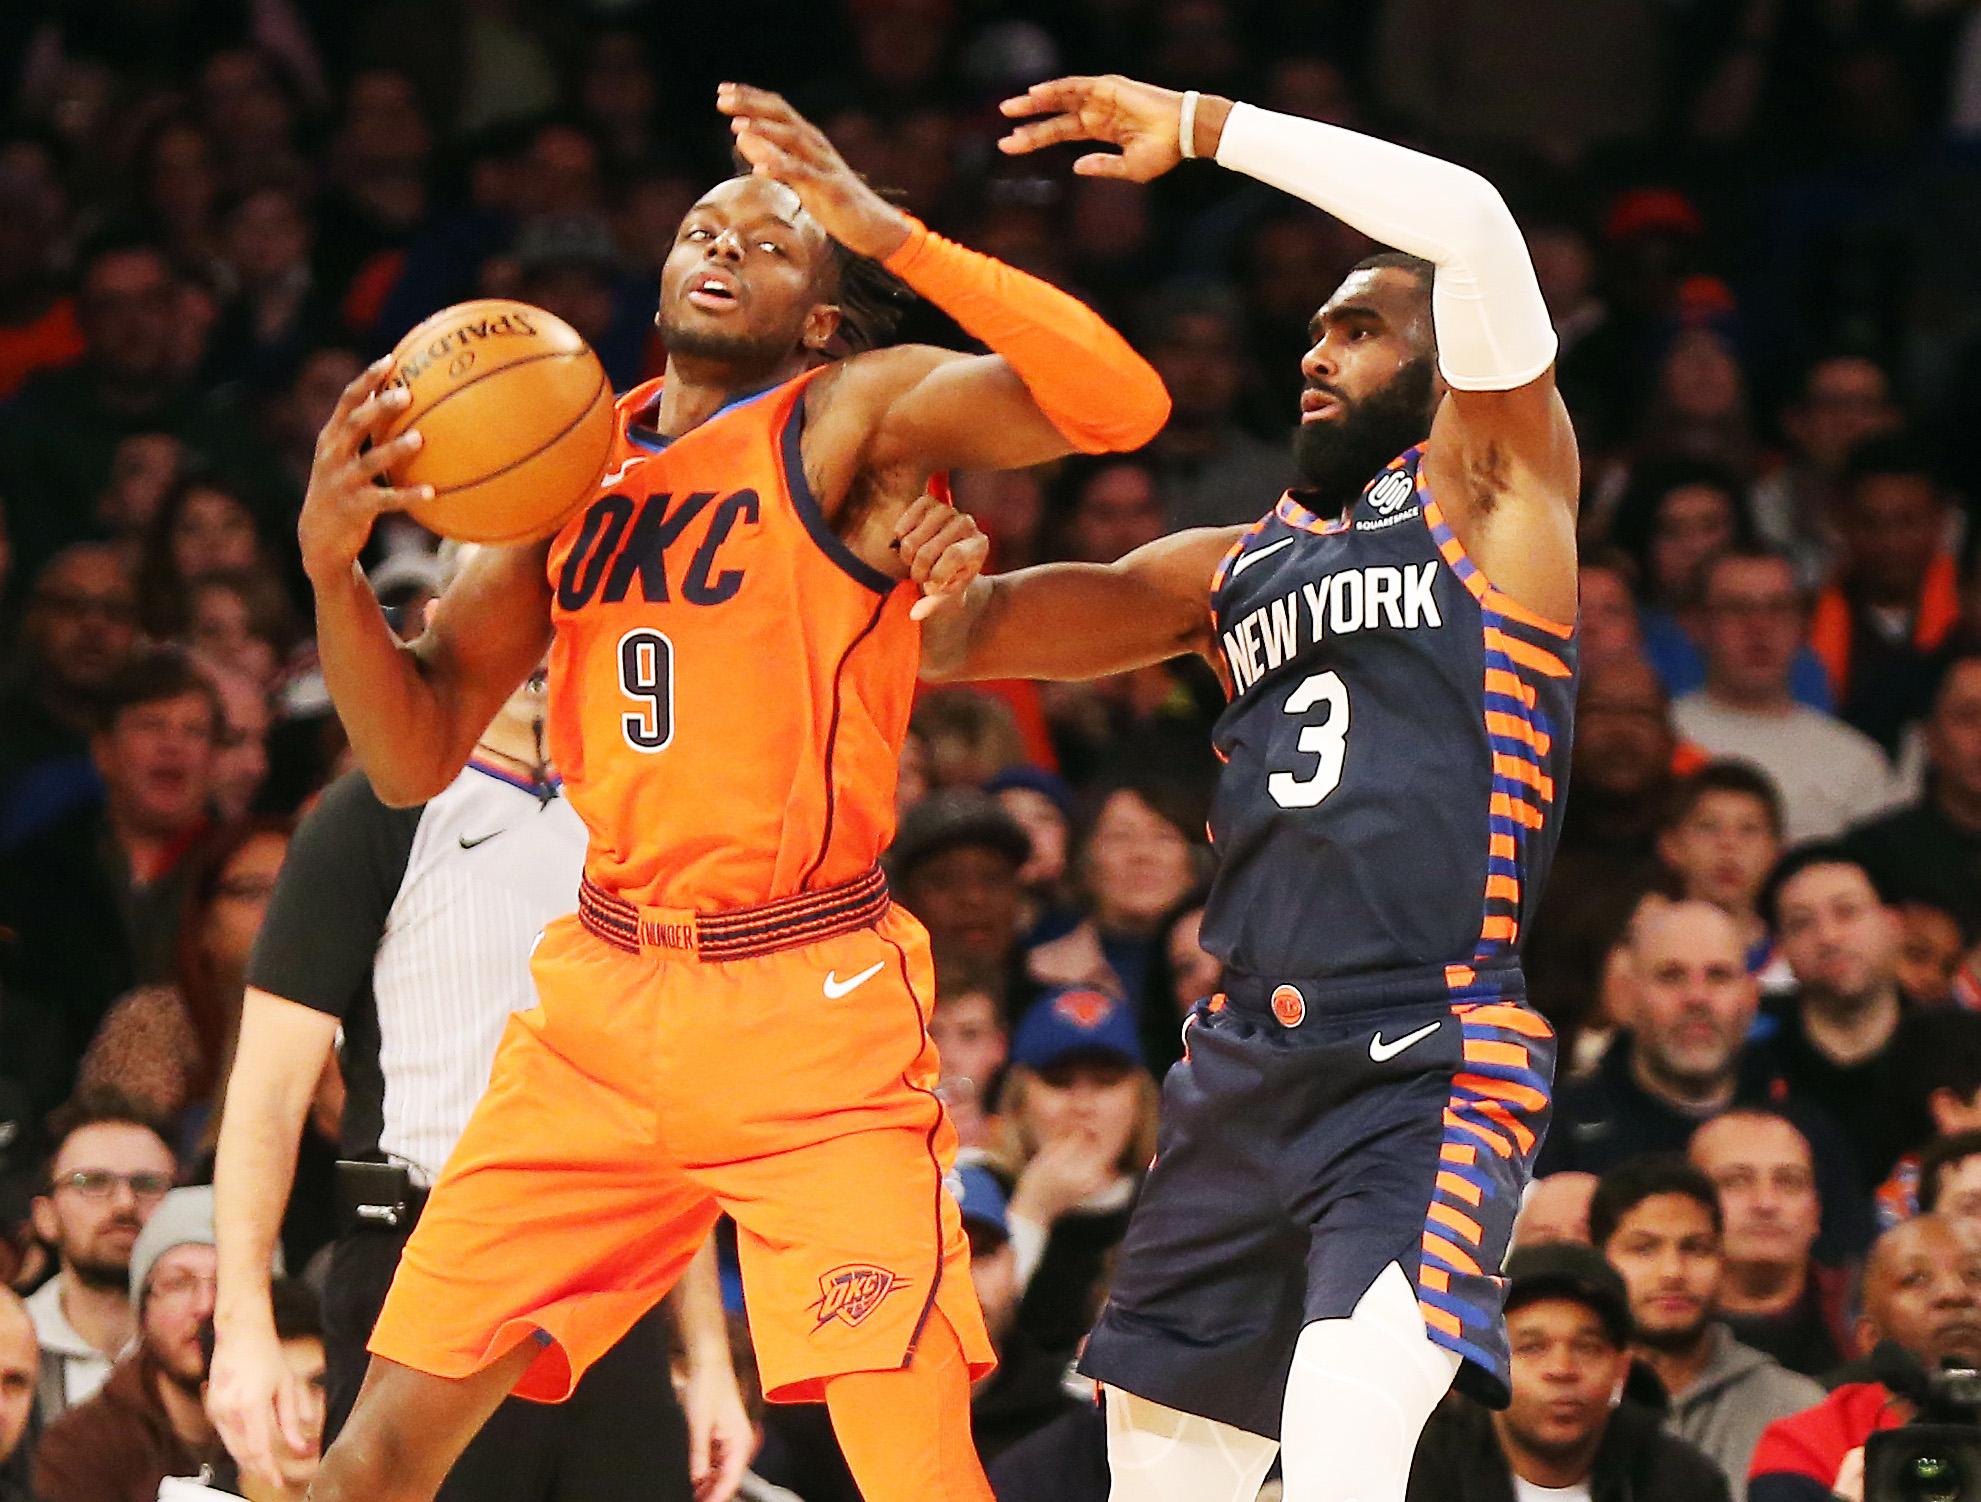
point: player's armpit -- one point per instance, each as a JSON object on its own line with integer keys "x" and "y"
{"x": 1083, "y": 620}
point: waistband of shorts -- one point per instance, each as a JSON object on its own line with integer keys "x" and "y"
{"x": 1337, "y": 995}
{"x": 739, "y": 933}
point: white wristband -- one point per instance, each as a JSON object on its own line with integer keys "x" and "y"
{"x": 1186, "y": 126}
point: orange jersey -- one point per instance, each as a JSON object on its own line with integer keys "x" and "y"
{"x": 729, "y": 683}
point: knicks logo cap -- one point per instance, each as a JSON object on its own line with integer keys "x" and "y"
{"x": 1076, "y": 1023}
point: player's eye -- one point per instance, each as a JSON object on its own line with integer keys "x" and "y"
{"x": 772, "y": 246}
{"x": 698, "y": 232}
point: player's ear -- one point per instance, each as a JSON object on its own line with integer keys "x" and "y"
{"x": 821, "y": 323}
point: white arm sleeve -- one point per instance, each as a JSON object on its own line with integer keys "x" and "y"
{"x": 1493, "y": 329}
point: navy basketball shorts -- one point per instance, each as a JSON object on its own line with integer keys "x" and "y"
{"x": 1314, "y": 1133}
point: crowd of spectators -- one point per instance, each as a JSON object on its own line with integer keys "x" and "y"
{"x": 1755, "y": 223}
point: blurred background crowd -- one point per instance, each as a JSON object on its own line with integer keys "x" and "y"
{"x": 1755, "y": 223}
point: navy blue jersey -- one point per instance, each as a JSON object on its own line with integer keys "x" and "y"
{"x": 1395, "y": 748}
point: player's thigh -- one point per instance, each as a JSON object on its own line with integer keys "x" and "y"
{"x": 846, "y": 1244}
{"x": 558, "y": 1214}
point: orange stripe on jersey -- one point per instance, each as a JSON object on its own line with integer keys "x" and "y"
{"x": 1500, "y": 681}
{"x": 1507, "y": 887}
{"x": 1515, "y": 728}
{"x": 1517, "y": 809}
{"x": 1521, "y": 1133}
{"x": 1500, "y": 926}
{"x": 1458, "y": 1188}
{"x": 1446, "y": 1251}
{"x": 1486, "y": 1051}
{"x": 1434, "y": 1278}
{"x": 1524, "y": 1096}
{"x": 1513, "y": 1019}
{"x": 1437, "y": 1319}
{"x": 1526, "y": 653}
{"x": 1522, "y": 770}
{"x": 1453, "y": 1220}
{"x": 1504, "y": 604}
{"x": 1502, "y": 847}
{"x": 1457, "y": 977}
{"x": 1484, "y": 1133}
{"x": 1461, "y": 1153}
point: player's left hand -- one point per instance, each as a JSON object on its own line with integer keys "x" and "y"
{"x": 779, "y": 142}
{"x": 1140, "y": 118}
{"x": 943, "y": 548}
{"x": 721, "y": 1438}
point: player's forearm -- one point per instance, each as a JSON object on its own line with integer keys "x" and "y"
{"x": 1081, "y": 373}
{"x": 698, "y": 1312}
{"x": 395, "y": 717}
{"x": 1493, "y": 329}
{"x": 268, "y": 1097}
{"x": 1059, "y": 621}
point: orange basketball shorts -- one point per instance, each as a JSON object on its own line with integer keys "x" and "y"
{"x": 649, "y": 1090}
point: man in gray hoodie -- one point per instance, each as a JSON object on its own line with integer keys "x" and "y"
{"x": 1657, "y": 1219}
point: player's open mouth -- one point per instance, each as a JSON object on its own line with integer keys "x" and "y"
{"x": 713, "y": 293}
{"x": 1316, "y": 405}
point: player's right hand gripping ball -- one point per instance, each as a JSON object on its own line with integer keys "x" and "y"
{"x": 517, "y": 417}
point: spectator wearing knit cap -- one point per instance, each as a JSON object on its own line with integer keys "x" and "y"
{"x": 149, "y": 1421}
{"x": 954, "y": 864}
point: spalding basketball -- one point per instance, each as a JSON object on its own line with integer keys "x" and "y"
{"x": 515, "y": 413}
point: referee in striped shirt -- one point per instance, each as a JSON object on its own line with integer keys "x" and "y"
{"x": 410, "y": 930}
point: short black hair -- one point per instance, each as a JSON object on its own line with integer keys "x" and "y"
{"x": 1635, "y": 1180}
{"x": 1728, "y": 775}
{"x": 1890, "y": 454}
{"x": 1398, "y": 260}
{"x": 1800, "y": 859}
{"x": 154, "y": 675}
{"x": 116, "y": 239}
{"x": 96, "y": 1107}
{"x": 1944, "y": 1153}
{"x": 1939, "y": 1049}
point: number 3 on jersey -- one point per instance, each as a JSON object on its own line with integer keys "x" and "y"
{"x": 646, "y": 676}
{"x": 1326, "y": 738}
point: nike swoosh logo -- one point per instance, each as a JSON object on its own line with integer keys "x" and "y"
{"x": 1383, "y": 1052}
{"x": 1256, "y": 554}
{"x": 836, "y": 988}
{"x": 468, "y": 844}
{"x": 625, "y": 467}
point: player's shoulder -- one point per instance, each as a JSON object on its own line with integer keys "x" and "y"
{"x": 881, "y": 373}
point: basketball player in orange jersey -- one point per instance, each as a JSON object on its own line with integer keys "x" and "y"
{"x": 735, "y": 1018}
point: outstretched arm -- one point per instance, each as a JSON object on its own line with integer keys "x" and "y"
{"x": 1059, "y": 378}
{"x": 1502, "y": 435}
{"x": 1081, "y": 620}
{"x": 413, "y": 713}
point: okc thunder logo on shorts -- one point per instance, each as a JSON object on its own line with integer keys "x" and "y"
{"x": 852, "y": 1292}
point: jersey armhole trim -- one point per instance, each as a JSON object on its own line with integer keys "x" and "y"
{"x": 1445, "y": 537}
{"x": 812, "y": 515}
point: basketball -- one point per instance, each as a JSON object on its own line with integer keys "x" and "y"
{"x": 516, "y": 414}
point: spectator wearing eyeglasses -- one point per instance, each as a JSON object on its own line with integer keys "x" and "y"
{"x": 109, "y": 1174}
{"x": 149, "y": 1420}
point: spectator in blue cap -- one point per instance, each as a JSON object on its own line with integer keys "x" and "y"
{"x": 1080, "y": 1119}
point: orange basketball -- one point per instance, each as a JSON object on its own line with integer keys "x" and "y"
{"x": 516, "y": 414}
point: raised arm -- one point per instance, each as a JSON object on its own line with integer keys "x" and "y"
{"x": 1081, "y": 620}
{"x": 413, "y": 713}
{"x": 1502, "y": 458}
{"x": 1059, "y": 378}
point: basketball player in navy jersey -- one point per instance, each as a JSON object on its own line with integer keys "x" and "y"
{"x": 1316, "y": 1254}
